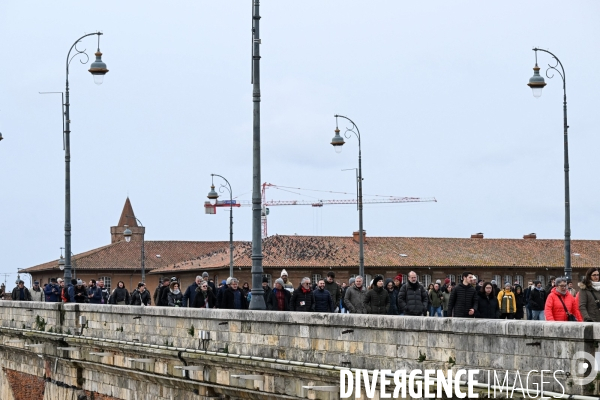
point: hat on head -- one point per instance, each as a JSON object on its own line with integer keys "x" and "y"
{"x": 377, "y": 279}
{"x": 228, "y": 281}
{"x": 351, "y": 281}
{"x": 284, "y": 272}
{"x": 398, "y": 278}
{"x": 280, "y": 281}
{"x": 265, "y": 279}
{"x": 73, "y": 281}
{"x": 223, "y": 282}
{"x": 446, "y": 281}
{"x": 36, "y": 282}
{"x": 439, "y": 282}
{"x": 205, "y": 274}
{"x": 493, "y": 282}
{"x": 79, "y": 282}
{"x": 173, "y": 279}
{"x": 507, "y": 284}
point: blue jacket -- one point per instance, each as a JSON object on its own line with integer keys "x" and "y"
{"x": 71, "y": 293}
{"x": 52, "y": 291}
{"x": 97, "y": 295}
{"x": 323, "y": 301}
{"x": 189, "y": 295}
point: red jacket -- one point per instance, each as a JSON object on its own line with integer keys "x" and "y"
{"x": 554, "y": 310}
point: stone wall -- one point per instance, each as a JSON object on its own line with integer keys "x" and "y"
{"x": 290, "y": 350}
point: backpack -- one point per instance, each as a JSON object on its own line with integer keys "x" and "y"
{"x": 64, "y": 295}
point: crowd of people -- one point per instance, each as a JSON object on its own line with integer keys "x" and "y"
{"x": 469, "y": 298}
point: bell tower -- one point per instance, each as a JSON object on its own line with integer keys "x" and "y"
{"x": 127, "y": 218}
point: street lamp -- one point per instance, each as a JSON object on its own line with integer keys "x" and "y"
{"x": 127, "y": 233}
{"x": 213, "y": 196}
{"x": 98, "y": 69}
{"x": 536, "y": 83}
{"x": 337, "y": 142}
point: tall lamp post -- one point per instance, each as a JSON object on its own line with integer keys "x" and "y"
{"x": 127, "y": 233}
{"x": 337, "y": 143}
{"x": 98, "y": 70}
{"x": 213, "y": 196}
{"x": 536, "y": 83}
{"x": 257, "y": 302}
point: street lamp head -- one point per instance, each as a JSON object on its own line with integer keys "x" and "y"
{"x": 212, "y": 195}
{"x": 61, "y": 263}
{"x": 127, "y": 233}
{"x": 98, "y": 69}
{"x": 536, "y": 82}
{"x": 337, "y": 142}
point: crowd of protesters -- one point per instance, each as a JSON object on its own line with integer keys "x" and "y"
{"x": 469, "y": 298}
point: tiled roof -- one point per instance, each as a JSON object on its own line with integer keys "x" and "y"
{"x": 127, "y": 256}
{"x": 328, "y": 251}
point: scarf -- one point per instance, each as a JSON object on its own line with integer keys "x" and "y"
{"x": 280, "y": 299}
{"x": 596, "y": 286}
{"x": 413, "y": 286}
{"x": 305, "y": 290}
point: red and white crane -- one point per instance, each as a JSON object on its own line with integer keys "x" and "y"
{"x": 212, "y": 209}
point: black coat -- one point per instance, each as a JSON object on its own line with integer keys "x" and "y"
{"x": 228, "y": 299}
{"x": 163, "y": 296}
{"x": 377, "y": 301}
{"x": 487, "y": 306}
{"x": 302, "y": 301}
{"x": 119, "y": 294}
{"x": 462, "y": 299}
{"x": 15, "y": 293}
{"x": 537, "y": 299}
{"x": 272, "y": 303}
{"x": 200, "y": 298}
{"x": 412, "y": 301}
{"x": 323, "y": 301}
{"x": 138, "y": 298}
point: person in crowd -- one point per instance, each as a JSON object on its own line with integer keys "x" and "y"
{"x": 266, "y": 288}
{"x": 190, "y": 292}
{"x": 166, "y": 290}
{"x": 551, "y": 284}
{"x": 303, "y": 299}
{"x": 94, "y": 293}
{"x": 496, "y": 288}
{"x": 205, "y": 297}
{"x": 463, "y": 299}
{"x": 246, "y": 288}
{"x": 221, "y": 291}
{"x": 158, "y": 291}
{"x": 334, "y": 289}
{"x": 233, "y": 297}
{"x": 507, "y": 302}
{"x": 140, "y": 296}
{"x": 570, "y": 288}
{"x": 560, "y": 305}
{"x": 211, "y": 283}
{"x": 377, "y": 300}
{"x": 105, "y": 292}
{"x": 174, "y": 296}
{"x": 120, "y": 295}
{"x": 20, "y": 292}
{"x": 412, "y": 297}
{"x": 398, "y": 282}
{"x": 487, "y": 304}
{"x": 436, "y": 298}
{"x": 589, "y": 296}
{"x": 445, "y": 285}
{"x": 323, "y": 299}
{"x": 279, "y": 298}
{"x": 446, "y": 292}
{"x": 286, "y": 283}
{"x": 37, "y": 294}
{"x": 355, "y": 296}
{"x": 52, "y": 291}
{"x": 67, "y": 292}
{"x": 393, "y": 295}
{"x": 526, "y": 294}
{"x": 537, "y": 301}
{"x": 520, "y": 301}
{"x": 80, "y": 294}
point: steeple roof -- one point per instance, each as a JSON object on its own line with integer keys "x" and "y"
{"x": 127, "y": 212}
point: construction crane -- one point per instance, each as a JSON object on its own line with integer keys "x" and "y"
{"x": 212, "y": 209}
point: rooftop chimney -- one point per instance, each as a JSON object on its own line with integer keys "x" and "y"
{"x": 357, "y": 239}
{"x": 530, "y": 236}
{"x": 477, "y": 236}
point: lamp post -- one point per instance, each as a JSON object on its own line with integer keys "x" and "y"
{"x": 213, "y": 196}
{"x": 337, "y": 142}
{"x": 98, "y": 70}
{"x": 536, "y": 83}
{"x": 127, "y": 233}
{"x": 257, "y": 302}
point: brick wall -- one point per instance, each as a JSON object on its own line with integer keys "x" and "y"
{"x": 25, "y": 386}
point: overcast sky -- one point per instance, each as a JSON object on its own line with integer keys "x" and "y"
{"x": 438, "y": 90}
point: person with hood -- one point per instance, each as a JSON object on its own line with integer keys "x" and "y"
{"x": 21, "y": 293}
{"x": 526, "y": 294}
{"x": 446, "y": 292}
{"x": 412, "y": 297}
{"x": 246, "y": 289}
{"x": 377, "y": 300}
{"x": 165, "y": 291}
{"x": 233, "y": 297}
{"x": 560, "y": 305}
{"x": 537, "y": 301}
{"x": 279, "y": 298}
{"x": 507, "y": 302}
{"x": 120, "y": 295}
{"x": 140, "y": 296}
{"x": 463, "y": 299}
{"x": 52, "y": 291}
{"x": 496, "y": 288}
{"x": 204, "y": 297}
{"x": 520, "y": 299}
{"x": 393, "y": 295}
{"x": 487, "y": 305}
{"x": 158, "y": 291}
{"x": 190, "y": 292}
{"x": 589, "y": 296}
{"x": 334, "y": 289}
{"x": 303, "y": 299}
{"x": 323, "y": 299}
{"x": 355, "y": 295}
{"x": 286, "y": 283}
{"x": 175, "y": 297}
{"x": 436, "y": 298}
{"x": 80, "y": 292}
{"x": 37, "y": 294}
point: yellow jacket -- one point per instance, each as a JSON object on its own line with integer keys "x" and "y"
{"x": 507, "y": 302}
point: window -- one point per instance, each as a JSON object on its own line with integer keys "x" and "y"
{"x": 542, "y": 279}
{"x": 507, "y": 278}
{"x": 426, "y": 280}
{"x": 106, "y": 280}
{"x": 452, "y": 278}
{"x": 315, "y": 279}
{"x": 519, "y": 279}
{"x": 367, "y": 281}
{"x": 498, "y": 280}
{"x": 268, "y": 276}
